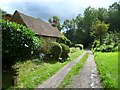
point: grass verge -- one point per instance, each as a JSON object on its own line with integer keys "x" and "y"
{"x": 31, "y": 73}
{"x": 73, "y": 72}
{"x": 107, "y": 65}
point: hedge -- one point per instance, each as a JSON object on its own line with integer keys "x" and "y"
{"x": 56, "y": 50}
{"x": 65, "y": 51}
{"x": 18, "y": 42}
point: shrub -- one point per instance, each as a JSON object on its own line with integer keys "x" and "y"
{"x": 79, "y": 45}
{"x": 96, "y": 43}
{"x": 72, "y": 49}
{"x": 65, "y": 51}
{"x": 110, "y": 43}
{"x": 56, "y": 50}
{"x": 45, "y": 48}
{"x": 18, "y": 42}
{"x": 64, "y": 40}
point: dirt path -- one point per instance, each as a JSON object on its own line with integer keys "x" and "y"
{"x": 56, "y": 79}
{"x": 88, "y": 76}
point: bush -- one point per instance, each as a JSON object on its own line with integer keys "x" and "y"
{"x": 65, "y": 51}
{"x": 56, "y": 50}
{"x": 72, "y": 49}
{"x": 18, "y": 42}
{"x": 64, "y": 40}
{"x": 96, "y": 43}
{"x": 79, "y": 45}
{"x": 110, "y": 43}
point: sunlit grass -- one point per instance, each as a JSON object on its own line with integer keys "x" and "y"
{"x": 107, "y": 65}
{"x": 32, "y": 73}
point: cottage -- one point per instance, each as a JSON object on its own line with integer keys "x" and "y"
{"x": 41, "y": 28}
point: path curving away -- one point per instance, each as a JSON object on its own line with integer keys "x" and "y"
{"x": 88, "y": 76}
{"x": 57, "y": 78}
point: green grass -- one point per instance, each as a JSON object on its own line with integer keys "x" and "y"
{"x": 107, "y": 65}
{"x": 73, "y": 72}
{"x": 31, "y": 73}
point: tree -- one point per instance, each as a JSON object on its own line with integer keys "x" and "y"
{"x": 103, "y": 15}
{"x": 99, "y": 29}
{"x": 2, "y": 14}
{"x": 114, "y": 17}
{"x": 90, "y": 16}
{"x": 69, "y": 26}
{"x": 79, "y": 29}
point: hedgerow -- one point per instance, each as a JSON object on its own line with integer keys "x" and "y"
{"x": 18, "y": 42}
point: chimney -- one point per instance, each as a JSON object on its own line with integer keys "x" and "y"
{"x": 8, "y": 17}
{"x": 54, "y": 23}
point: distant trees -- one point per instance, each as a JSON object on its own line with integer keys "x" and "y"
{"x": 92, "y": 25}
{"x": 70, "y": 27}
{"x": 114, "y": 17}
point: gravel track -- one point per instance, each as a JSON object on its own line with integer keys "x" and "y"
{"x": 56, "y": 79}
{"x": 88, "y": 76}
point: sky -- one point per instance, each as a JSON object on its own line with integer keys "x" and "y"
{"x": 44, "y": 9}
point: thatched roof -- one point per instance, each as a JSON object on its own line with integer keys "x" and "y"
{"x": 38, "y": 26}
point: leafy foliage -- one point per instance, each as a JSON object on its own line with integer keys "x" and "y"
{"x": 64, "y": 40}
{"x": 94, "y": 22}
{"x": 110, "y": 43}
{"x": 65, "y": 51}
{"x": 73, "y": 49}
{"x": 18, "y": 41}
{"x": 114, "y": 17}
{"x": 56, "y": 50}
{"x": 99, "y": 29}
{"x": 79, "y": 45}
{"x": 2, "y": 14}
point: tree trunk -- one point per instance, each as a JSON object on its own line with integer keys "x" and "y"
{"x": 101, "y": 40}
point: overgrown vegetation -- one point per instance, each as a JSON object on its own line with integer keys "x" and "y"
{"x": 110, "y": 43}
{"x": 80, "y": 46}
{"x": 64, "y": 40}
{"x": 18, "y": 42}
{"x": 31, "y": 73}
{"x": 107, "y": 65}
{"x": 21, "y": 45}
{"x": 73, "y": 72}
